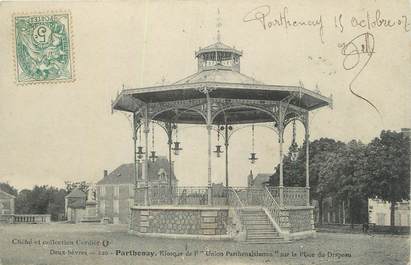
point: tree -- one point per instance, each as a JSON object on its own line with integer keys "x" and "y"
{"x": 82, "y": 185}
{"x": 56, "y": 204}
{"x": 354, "y": 172}
{"x": 388, "y": 166}
{"x": 351, "y": 180}
{"x": 41, "y": 200}
{"x": 23, "y": 202}
{"x": 6, "y": 187}
{"x": 322, "y": 153}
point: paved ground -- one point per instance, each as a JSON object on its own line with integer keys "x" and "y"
{"x": 76, "y": 244}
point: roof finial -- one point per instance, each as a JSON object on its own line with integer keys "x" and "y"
{"x": 219, "y": 25}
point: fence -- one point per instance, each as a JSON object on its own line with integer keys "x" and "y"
{"x": 190, "y": 195}
{"x": 185, "y": 195}
{"x": 31, "y": 218}
{"x": 25, "y": 218}
{"x": 293, "y": 196}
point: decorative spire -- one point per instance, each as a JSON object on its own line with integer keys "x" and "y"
{"x": 219, "y": 25}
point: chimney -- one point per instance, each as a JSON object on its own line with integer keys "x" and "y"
{"x": 105, "y": 173}
{"x": 250, "y": 179}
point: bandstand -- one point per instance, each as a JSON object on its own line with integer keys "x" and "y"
{"x": 220, "y": 98}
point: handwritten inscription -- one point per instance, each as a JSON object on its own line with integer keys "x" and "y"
{"x": 374, "y": 20}
{"x": 283, "y": 19}
{"x": 261, "y": 14}
{"x": 357, "y": 54}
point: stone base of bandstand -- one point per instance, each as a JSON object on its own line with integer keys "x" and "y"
{"x": 297, "y": 222}
{"x": 213, "y": 222}
{"x": 185, "y": 222}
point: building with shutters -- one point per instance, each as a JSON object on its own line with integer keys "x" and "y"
{"x": 379, "y": 212}
{"x": 115, "y": 192}
{"x": 6, "y": 203}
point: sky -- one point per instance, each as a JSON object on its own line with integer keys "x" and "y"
{"x": 50, "y": 133}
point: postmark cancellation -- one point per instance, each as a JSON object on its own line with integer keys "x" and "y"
{"x": 43, "y": 47}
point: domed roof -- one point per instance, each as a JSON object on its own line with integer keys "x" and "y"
{"x": 218, "y": 75}
{"x": 219, "y": 71}
{"x": 218, "y": 46}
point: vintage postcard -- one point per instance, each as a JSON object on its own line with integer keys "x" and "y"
{"x": 205, "y": 132}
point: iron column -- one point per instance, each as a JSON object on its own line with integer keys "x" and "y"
{"x": 209, "y": 127}
{"x": 226, "y": 160}
{"x": 135, "y": 154}
{"x": 307, "y": 159}
{"x": 170, "y": 167}
{"x": 281, "y": 135}
{"x": 146, "y": 131}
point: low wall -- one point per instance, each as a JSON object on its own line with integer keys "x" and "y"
{"x": 359, "y": 228}
{"x": 31, "y": 218}
{"x": 6, "y": 218}
{"x": 25, "y": 218}
{"x": 297, "y": 222}
{"x": 197, "y": 221}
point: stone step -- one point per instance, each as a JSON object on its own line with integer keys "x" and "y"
{"x": 257, "y": 221}
{"x": 262, "y": 235}
{"x": 274, "y": 236}
{"x": 262, "y": 232}
{"x": 265, "y": 241}
{"x": 249, "y": 216}
{"x": 252, "y": 216}
{"x": 260, "y": 226}
{"x": 253, "y": 224}
{"x": 253, "y": 211}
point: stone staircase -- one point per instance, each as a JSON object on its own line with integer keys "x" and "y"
{"x": 259, "y": 228}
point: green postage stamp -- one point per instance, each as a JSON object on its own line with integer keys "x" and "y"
{"x": 43, "y": 48}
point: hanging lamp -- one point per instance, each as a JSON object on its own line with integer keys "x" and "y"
{"x": 153, "y": 156}
{"x": 218, "y": 150}
{"x": 253, "y": 156}
{"x": 140, "y": 151}
{"x": 294, "y": 146}
{"x": 177, "y": 147}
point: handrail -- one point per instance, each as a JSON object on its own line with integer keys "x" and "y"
{"x": 237, "y": 197}
{"x": 273, "y": 210}
{"x": 272, "y": 198}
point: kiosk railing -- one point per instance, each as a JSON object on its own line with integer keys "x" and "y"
{"x": 293, "y": 196}
{"x": 192, "y": 195}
